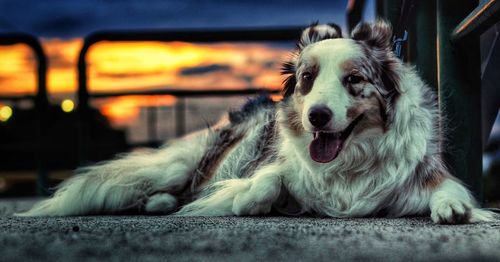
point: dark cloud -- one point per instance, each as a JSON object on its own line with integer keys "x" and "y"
{"x": 59, "y": 60}
{"x": 127, "y": 74}
{"x": 247, "y": 78}
{"x": 204, "y": 69}
{"x": 271, "y": 64}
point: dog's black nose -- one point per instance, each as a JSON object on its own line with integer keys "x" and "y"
{"x": 319, "y": 116}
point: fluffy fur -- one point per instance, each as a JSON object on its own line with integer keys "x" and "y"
{"x": 384, "y": 123}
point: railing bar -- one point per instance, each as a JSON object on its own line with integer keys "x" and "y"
{"x": 187, "y": 93}
{"x": 198, "y": 35}
{"x": 478, "y": 21}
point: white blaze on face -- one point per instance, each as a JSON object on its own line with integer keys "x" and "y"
{"x": 327, "y": 89}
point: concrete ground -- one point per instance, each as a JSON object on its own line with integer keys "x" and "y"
{"x": 152, "y": 238}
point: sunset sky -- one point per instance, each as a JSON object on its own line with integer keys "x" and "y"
{"x": 121, "y": 66}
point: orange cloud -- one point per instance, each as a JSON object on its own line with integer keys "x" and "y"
{"x": 120, "y": 66}
{"x": 123, "y": 110}
{"x": 17, "y": 70}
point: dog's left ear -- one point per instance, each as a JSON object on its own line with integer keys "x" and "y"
{"x": 316, "y": 33}
{"x": 376, "y": 35}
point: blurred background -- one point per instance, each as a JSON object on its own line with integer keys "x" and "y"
{"x": 140, "y": 93}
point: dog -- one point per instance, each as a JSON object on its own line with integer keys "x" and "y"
{"x": 356, "y": 134}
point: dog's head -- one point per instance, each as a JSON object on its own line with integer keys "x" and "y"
{"x": 340, "y": 89}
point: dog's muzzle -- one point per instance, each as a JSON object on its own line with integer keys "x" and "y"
{"x": 326, "y": 146}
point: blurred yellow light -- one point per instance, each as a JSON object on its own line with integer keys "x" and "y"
{"x": 5, "y": 113}
{"x": 67, "y": 105}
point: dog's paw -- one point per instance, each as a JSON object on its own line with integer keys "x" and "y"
{"x": 235, "y": 197}
{"x": 219, "y": 202}
{"x": 255, "y": 199}
{"x": 451, "y": 211}
{"x": 161, "y": 203}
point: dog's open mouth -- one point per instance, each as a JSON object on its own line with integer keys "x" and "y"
{"x": 326, "y": 146}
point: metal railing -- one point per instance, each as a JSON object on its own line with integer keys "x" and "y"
{"x": 40, "y": 99}
{"x": 188, "y": 35}
{"x": 478, "y": 21}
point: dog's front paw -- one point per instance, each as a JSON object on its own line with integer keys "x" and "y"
{"x": 161, "y": 203}
{"x": 451, "y": 211}
{"x": 242, "y": 196}
{"x": 255, "y": 199}
{"x": 234, "y": 197}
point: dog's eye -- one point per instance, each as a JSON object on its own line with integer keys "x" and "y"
{"x": 307, "y": 76}
{"x": 354, "y": 79}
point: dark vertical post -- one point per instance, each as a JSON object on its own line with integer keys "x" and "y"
{"x": 391, "y": 10}
{"x": 423, "y": 41}
{"x": 459, "y": 89}
{"x": 379, "y": 6}
{"x": 491, "y": 92}
{"x": 180, "y": 117}
{"x": 354, "y": 13}
{"x": 42, "y": 105}
{"x": 83, "y": 106}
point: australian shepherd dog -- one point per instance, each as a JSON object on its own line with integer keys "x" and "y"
{"x": 357, "y": 134}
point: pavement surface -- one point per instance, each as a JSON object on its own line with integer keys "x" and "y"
{"x": 168, "y": 238}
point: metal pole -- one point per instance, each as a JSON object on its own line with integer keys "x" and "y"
{"x": 422, "y": 42}
{"x": 491, "y": 92}
{"x": 354, "y": 13}
{"x": 42, "y": 104}
{"x": 484, "y": 16}
{"x": 83, "y": 106}
{"x": 391, "y": 10}
{"x": 459, "y": 87}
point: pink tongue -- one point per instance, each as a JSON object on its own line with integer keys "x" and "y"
{"x": 325, "y": 147}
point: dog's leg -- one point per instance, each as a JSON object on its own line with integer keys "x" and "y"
{"x": 246, "y": 196}
{"x": 262, "y": 191}
{"x": 452, "y": 203}
{"x": 137, "y": 181}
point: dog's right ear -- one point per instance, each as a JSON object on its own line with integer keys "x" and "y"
{"x": 316, "y": 33}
